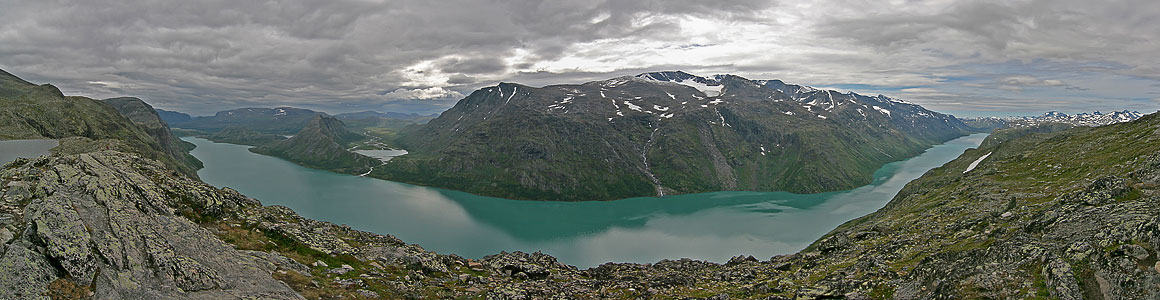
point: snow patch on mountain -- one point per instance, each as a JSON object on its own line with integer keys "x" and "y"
{"x": 1092, "y": 119}
{"x": 882, "y": 110}
{"x": 711, "y": 87}
{"x": 632, "y": 106}
{"x": 976, "y": 162}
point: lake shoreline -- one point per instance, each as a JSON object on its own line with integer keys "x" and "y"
{"x": 707, "y": 226}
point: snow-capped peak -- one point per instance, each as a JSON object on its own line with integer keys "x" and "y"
{"x": 711, "y": 87}
{"x": 1079, "y": 119}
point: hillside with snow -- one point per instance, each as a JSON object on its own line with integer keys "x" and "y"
{"x": 663, "y": 133}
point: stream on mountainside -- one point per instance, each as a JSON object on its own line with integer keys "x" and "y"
{"x": 709, "y": 226}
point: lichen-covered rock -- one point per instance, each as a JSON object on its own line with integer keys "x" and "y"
{"x": 1061, "y": 281}
{"x": 533, "y": 266}
{"x": 111, "y": 221}
{"x": 24, "y": 272}
{"x": 62, "y": 232}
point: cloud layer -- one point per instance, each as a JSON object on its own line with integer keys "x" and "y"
{"x": 964, "y": 57}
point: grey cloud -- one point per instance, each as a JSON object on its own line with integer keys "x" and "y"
{"x": 459, "y": 79}
{"x": 1068, "y": 30}
{"x": 194, "y": 54}
{"x": 478, "y": 65}
{"x": 347, "y": 55}
{"x": 989, "y": 23}
{"x": 1026, "y": 80}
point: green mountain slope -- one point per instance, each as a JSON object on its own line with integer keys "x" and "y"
{"x": 322, "y": 145}
{"x": 243, "y": 136}
{"x": 29, "y": 111}
{"x": 256, "y": 126}
{"x": 654, "y": 134}
{"x": 1073, "y": 211}
{"x": 144, "y": 115}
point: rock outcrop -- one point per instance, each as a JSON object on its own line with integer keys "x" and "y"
{"x": 100, "y": 220}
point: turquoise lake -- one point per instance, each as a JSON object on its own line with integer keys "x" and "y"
{"x": 711, "y": 226}
{"x": 12, "y": 149}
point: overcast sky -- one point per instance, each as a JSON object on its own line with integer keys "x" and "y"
{"x": 967, "y": 58}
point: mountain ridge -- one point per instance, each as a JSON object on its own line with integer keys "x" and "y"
{"x": 630, "y": 136}
{"x": 30, "y": 111}
{"x": 277, "y": 120}
{"x": 322, "y": 144}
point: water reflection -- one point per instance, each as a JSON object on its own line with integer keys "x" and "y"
{"x": 712, "y": 226}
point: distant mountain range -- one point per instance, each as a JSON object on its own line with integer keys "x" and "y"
{"x": 243, "y": 136}
{"x": 322, "y": 144}
{"x": 278, "y": 120}
{"x": 284, "y": 121}
{"x": 387, "y": 115}
{"x": 663, "y": 133}
{"x": 1054, "y": 117}
{"x": 310, "y": 138}
{"x": 171, "y": 117}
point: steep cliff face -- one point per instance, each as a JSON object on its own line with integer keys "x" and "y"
{"x": 145, "y": 116}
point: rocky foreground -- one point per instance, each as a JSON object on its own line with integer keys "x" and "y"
{"x": 1068, "y": 215}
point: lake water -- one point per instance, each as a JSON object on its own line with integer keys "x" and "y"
{"x": 10, "y": 150}
{"x": 711, "y": 226}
